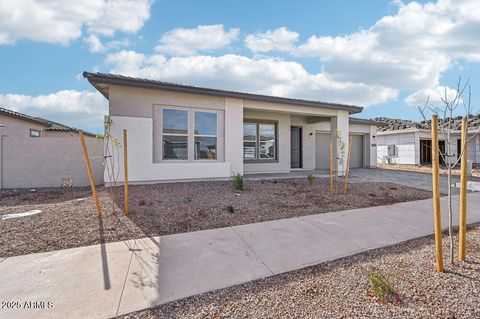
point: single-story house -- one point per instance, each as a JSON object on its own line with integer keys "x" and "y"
{"x": 409, "y": 142}
{"x": 35, "y": 152}
{"x": 183, "y": 132}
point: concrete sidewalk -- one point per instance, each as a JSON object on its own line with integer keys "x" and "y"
{"x": 103, "y": 281}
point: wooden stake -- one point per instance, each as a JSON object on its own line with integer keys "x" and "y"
{"x": 462, "y": 225}
{"x": 436, "y": 195}
{"x": 90, "y": 175}
{"x": 348, "y": 164}
{"x": 331, "y": 164}
{"x": 125, "y": 172}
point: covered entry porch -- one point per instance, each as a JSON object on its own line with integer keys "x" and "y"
{"x": 283, "y": 142}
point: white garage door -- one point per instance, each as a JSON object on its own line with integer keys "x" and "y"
{"x": 322, "y": 147}
{"x": 356, "y": 156}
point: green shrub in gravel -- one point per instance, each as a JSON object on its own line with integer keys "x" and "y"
{"x": 382, "y": 286}
{"x": 238, "y": 182}
{"x": 230, "y": 209}
{"x": 311, "y": 179}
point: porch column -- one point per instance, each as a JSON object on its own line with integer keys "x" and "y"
{"x": 234, "y": 135}
{"x": 340, "y": 123}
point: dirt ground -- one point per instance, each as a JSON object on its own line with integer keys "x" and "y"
{"x": 426, "y": 169}
{"x": 68, "y": 216}
{"x": 340, "y": 289}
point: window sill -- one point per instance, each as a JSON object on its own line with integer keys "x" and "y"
{"x": 259, "y": 161}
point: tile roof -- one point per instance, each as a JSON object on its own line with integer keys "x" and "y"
{"x": 399, "y": 124}
{"x": 99, "y": 78}
{"x": 49, "y": 125}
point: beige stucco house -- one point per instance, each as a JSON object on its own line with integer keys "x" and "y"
{"x": 35, "y": 152}
{"x": 181, "y": 132}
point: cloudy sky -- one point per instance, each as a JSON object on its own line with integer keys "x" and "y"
{"x": 385, "y": 55}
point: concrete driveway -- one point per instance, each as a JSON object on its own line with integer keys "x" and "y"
{"x": 412, "y": 179}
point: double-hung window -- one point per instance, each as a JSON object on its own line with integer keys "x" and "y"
{"x": 259, "y": 141}
{"x": 175, "y": 134}
{"x": 205, "y": 135}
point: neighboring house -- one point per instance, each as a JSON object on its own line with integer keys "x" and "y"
{"x": 408, "y": 142}
{"x": 181, "y": 132}
{"x": 36, "y": 152}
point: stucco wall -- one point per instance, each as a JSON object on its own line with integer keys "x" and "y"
{"x": 142, "y": 169}
{"x": 138, "y": 110}
{"x": 408, "y": 145}
{"x": 283, "y": 140}
{"x": 28, "y": 162}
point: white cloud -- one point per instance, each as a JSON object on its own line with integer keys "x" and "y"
{"x": 406, "y": 51}
{"x": 257, "y": 75}
{"x": 95, "y": 45}
{"x": 279, "y": 39}
{"x": 75, "y": 108}
{"x": 191, "y": 41}
{"x": 434, "y": 96}
{"x": 53, "y": 21}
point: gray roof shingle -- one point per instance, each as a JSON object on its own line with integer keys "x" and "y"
{"x": 49, "y": 125}
{"x": 98, "y": 78}
{"x": 399, "y": 124}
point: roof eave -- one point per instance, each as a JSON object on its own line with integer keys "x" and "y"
{"x": 96, "y": 79}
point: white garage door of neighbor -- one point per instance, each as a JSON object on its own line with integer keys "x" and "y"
{"x": 322, "y": 156}
{"x": 356, "y": 155}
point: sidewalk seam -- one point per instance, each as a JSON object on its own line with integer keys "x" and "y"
{"x": 124, "y": 282}
{"x": 251, "y": 249}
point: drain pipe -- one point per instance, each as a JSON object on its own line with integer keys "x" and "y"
{"x": 1, "y": 157}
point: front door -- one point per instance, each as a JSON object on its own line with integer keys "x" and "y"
{"x": 296, "y": 147}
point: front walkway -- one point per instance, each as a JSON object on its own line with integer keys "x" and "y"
{"x": 103, "y": 281}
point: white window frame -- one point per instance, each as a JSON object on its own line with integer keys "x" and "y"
{"x": 36, "y": 131}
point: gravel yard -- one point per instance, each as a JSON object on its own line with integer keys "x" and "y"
{"x": 68, "y": 216}
{"x": 339, "y": 289}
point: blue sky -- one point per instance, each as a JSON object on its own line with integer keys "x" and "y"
{"x": 385, "y": 55}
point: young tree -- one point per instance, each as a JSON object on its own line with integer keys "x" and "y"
{"x": 111, "y": 155}
{"x": 450, "y": 106}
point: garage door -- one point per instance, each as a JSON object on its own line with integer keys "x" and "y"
{"x": 356, "y": 156}
{"x": 322, "y": 146}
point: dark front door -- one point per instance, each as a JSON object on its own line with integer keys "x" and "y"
{"x": 296, "y": 147}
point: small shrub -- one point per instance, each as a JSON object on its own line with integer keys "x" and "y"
{"x": 238, "y": 182}
{"x": 382, "y": 286}
{"x": 311, "y": 179}
{"x": 230, "y": 209}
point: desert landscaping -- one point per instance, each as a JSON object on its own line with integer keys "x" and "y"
{"x": 68, "y": 217}
{"x": 340, "y": 289}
